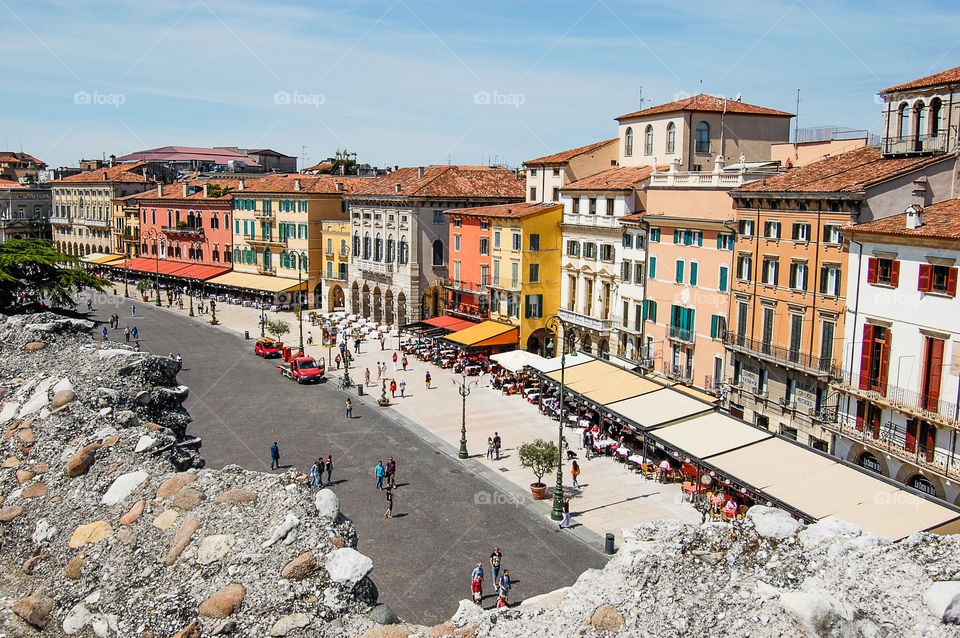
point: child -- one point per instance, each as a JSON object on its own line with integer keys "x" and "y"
{"x": 502, "y": 601}
{"x": 477, "y": 592}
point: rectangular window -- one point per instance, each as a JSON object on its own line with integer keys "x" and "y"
{"x": 722, "y": 283}
{"x": 831, "y": 233}
{"x": 875, "y": 358}
{"x": 885, "y": 272}
{"x": 771, "y": 229}
{"x": 638, "y": 317}
{"x": 638, "y": 273}
{"x": 625, "y": 319}
{"x": 650, "y": 310}
{"x": 655, "y": 234}
{"x": 610, "y": 206}
{"x": 534, "y": 241}
{"x": 484, "y": 225}
{"x": 796, "y": 337}
{"x": 625, "y": 271}
{"x": 484, "y": 246}
{"x": 693, "y": 273}
{"x": 627, "y": 240}
{"x": 496, "y": 272}
{"x": 679, "y": 273}
{"x": 589, "y": 250}
{"x": 533, "y": 193}
{"x": 516, "y": 242}
{"x": 798, "y": 276}
{"x": 514, "y": 274}
{"x": 593, "y": 205}
{"x": 932, "y": 373}
{"x": 556, "y": 194}
{"x": 576, "y": 205}
{"x": 573, "y": 248}
{"x": 496, "y": 239}
{"x": 456, "y": 243}
{"x": 457, "y": 222}
{"x": 767, "y": 336}
{"x": 941, "y": 280}
{"x": 724, "y": 241}
{"x": 534, "y": 273}
{"x": 770, "y": 274}
{"x": 801, "y": 231}
{"x": 456, "y": 271}
{"x": 533, "y": 306}
{"x": 606, "y": 252}
{"x": 830, "y": 280}
{"x": 438, "y": 217}
{"x": 653, "y": 268}
{"x": 746, "y": 227}
{"x": 827, "y": 329}
{"x": 718, "y": 326}
{"x": 743, "y": 317}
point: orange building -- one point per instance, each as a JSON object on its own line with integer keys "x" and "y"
{"x": 469, "y": 272}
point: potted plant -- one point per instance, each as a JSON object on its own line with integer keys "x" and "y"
{"x": 383, "y": 401}
{"x": 277, "y": 327}
{"x": 541, "y": 457}
{"x": 313, "y": 317}
{"x": 296, "y": 312}
{"x": 143, "y": 285}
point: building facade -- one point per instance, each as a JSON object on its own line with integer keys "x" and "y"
{"x": 399, "y": 236}
{"x": 336, "y": 262}
{"x": 547, "y": 175}
{"x": 921, "y": 116}
{"x": 24, "y": 209}
{"x": 468, "y": 277}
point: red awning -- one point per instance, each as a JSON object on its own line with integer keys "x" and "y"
{"x": 200, "y": 272}
{"x": 450, "y": 323}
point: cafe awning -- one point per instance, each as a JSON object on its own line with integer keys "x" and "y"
{"x": 447, "y": 322}
{"x": 659, "y": 407}
{"x": 516, "y": 360}
{"x": 710, "y": 434}
{"x": 553, "y": 364}
{"x": 101, "y": 258}
{"x": 575, "y": 374}
{"x": 488, "y": 333}
{"x": 623, "y": 389}
{"x": 169, "y": 267}
{"x": 257, "y": 283}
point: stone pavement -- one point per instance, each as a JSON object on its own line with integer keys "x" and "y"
{"x": 611, "y": 497}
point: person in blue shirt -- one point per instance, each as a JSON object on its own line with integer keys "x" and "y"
{"x": 477, "y": 575}
{"x": 315, "y": 474}
{"x": 380, "y": 471}
{"x": 274, "y": 456}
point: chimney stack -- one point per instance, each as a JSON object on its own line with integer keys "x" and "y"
{"x": 398, "y": 187}
{"x": 914, "y": 217}
{"x": 159, "y": 189}
{"x": 420, "y": 172}
{"x": 240, "y": 184}
{"x": 206, "y": 189}
{"x": 113, "y": 160}
{"x": 104, "y": 175}
{"x": 186, "y": 189}
{"x": 296, "y": 184}
{"x": 340, "y": 186}
{"x": 396, "y": 168}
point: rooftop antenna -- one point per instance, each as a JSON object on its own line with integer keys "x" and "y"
{"x": 303, "y": 157}
{"x": 640, "y": 97}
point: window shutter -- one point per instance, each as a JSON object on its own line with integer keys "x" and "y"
{"x": 911, "y": 440}
{"x": 693, "y": 273}
{"x": 793, "y": 275}
{"x": 676, "y": 236}
{"x": 951, "y": 282}
{"x": 723, "y": 278}
{"x": 895, "y": 273}
{"x": 796, "y": 231}
{"x": 865, "y": 349}
{"x": 699, "y": 238}
{"x": 885, "y": 362}
{"x": 823, "y": 279}
{"x": 935, "y": 365}
{"x": 803, "y": 284}
{"x": 923, "y": 283}
{"x": 653, "y": 268}
{"x": 653, "y": 311}
{"x": 861, "y": 409}
{"x": 872, "y": 270}
{"x": 713, "y": 327}
{"x": 719, "y": 242}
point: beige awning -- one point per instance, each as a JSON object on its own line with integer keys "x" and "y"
{"x": 606, "y": 377}
{"x": 624, "y": 389}
{"x": 655, "y": 408}
{"x": 710, "y": 434}
{"x": 580, "y": 372}
{"x": 260, "y": 283}
{"x": 101, "y": 258}
{"x": 516, "y": 360}
{"x": 769, "y": 462}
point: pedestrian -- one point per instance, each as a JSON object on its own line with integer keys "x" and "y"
{"x": 180, "y": 359}
{"x": 476, "y": 589}
{"x": 389, "y": 512}
{"x": 315, "y": 479}
{"x": 274, "y": 456}
{"x": 477, "y": 577}
{"x": 309, "y": 338}
{"x": 356, "y": 344}
{"x": 126, "y": 333}
{"x": 329, "y": 465}
{"x": 379, "y": 370}
{"x": 343, "y": 347}
{"x": 379, "y": 471}
{"x": 490, "y": 448}
{"x": 427, "y": 379}
{"x": 133, "y": 310}
{"x": 134, "y": 332}
{"x": 575, "y": 472}
{"x": 404, "y": 363}
{"x": 496, "y": 445}
{"x": 391, "y": 470}
{"x": 382, "y": 340}
{"x": 337, "y": 361}
{"x": 393, "y": 388}
{"x": 104, "y": 332}
{"x": 587, "y": 444}
{"x": 136, "y": 346}
{"x": 349, "y": 408}
{"x": 394, "y": 361}
{"x": 566, "y": 514}
{"x": 504, "y": 586}
{"x": 89, "y": 305}
{"x": 496, "y": 557}
{"x": 366, "y": 377}
{"x": 403, "y": 387}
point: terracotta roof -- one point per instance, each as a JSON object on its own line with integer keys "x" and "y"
{"x": 444, "y": 181}
{"x": 504, "y": 211}
{"x": 119, "y": 174}
{"x": 189, "y": 153}
{"x": 175, "y": 190}
{"x": 566, "y": 156}
{"x": 634, "y": 217}
{"x": 12, "y": 156}
{"x": 6, "y": 183}
{"x": 939, "y": 221}
{"x": 707, "y": 103}
{"x": 622, "y": 178}
{"x": 950, "y": 76}
{"x": 284, "y": 183}
{"x": 849, "y": 172}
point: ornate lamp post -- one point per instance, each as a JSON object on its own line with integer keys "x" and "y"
{"x": 463, "y": 387}
{"x": 346, "y": 362}
{"x": 154, "y": 234}
{"x": 300, "y": 300}
{"x": 561, "y": 331}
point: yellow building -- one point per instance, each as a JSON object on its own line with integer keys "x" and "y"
{"x": 524, "y": 255}
{"x": 126, "y": 225}
{"x": 336, "y": 259}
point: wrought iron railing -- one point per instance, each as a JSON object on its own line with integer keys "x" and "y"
{"x": 915, "y": 144}
{"x": 680, "y": 373}
{"x": 682, "y": 334}
{"x": 786, "y": 356}
{"x": 918, "y": 404}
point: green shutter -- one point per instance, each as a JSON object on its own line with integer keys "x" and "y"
{"x": 699, "y": 238}
{"x": 693, "y": 273}
{"x": 723, "y": 278}
{"x": 653, "y": 311}
{"x": 679, "y": 278}
{"x": 719, "y": 241}
{"x": 652, "y": 273}
{"x": 676, "y": 236}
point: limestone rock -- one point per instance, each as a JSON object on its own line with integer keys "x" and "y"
{"x": 133, "y": 513}
{"x": 188, "y": 498}
{"x": 226, "y": 627}
{"x": 347, "y": 566}
{"x": 9, "y": 462}
{"x": 74, "y": 569}
{"x": 819, "y": 614}
{"x": 337, "y": 541}
{"x": 31, "y": 563}
{"x": 123, "y": 486}
{"x": 9, "y": 513}
{"x": 827, "y": 529}
{"x": 40, "y": 468}
{"x": 184, "y": 534}
{"x": 300, "y": 567}
{"x": 90, "y": 533}
{"x": 174, "y": 484}
{"x": 288, "y": 623}
{"x": 327, "y": 504}
{"x": 43, "y": 532}
{"x": 285, "y": 531}
{"x": 606, "y": 618}
{"x": 36, "y": 490}
{"x": 24, "y": 475}
{"x": 82, "y": 460}
{"x": 771, "y": 522}
{"x": 35, "y": 609}
{"x": 223, "y": 602}
{"x": 190, "y": 631}
{"x": 63, "y": 397}
{"x": 237, "y": 496}
{"x": 943, "y": 600}
{"x": 213, "y": 548}
{"x": 27, "y": 437}
{"x": 165, "y": 519}
{"x": 34, "y": 346}
{"x": 386, "y": 631}
{"x": 145, "y": 444}
{"x": 441, "y": 630}
{"x": 383, "y": 615}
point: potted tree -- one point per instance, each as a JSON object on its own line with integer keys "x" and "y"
{"x": 277, "y": 327}
{"x": 541, "y": 457}
{"x": 383, "y": 401}
{"x": 296, "y": 312}
{"x": 313, "y": 317}
{"x": 143, "y": 285}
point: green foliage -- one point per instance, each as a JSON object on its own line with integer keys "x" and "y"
{"x": 540, "y": 456}
{"x": 35, "y": 268}
{"x": 277, "y": 327}
{"x": 216, "y": 190}
{"x": 144, "y": 284}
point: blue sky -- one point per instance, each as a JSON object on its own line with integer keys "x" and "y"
{"x": 405, "y": 81}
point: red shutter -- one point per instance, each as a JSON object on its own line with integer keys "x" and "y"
{"x": 875, "y": 414}
{"x": 895, "y": 273}
{"x": 910, "y": 444}
{"x": 872, "y": 270}
{"x": 865, "y": 350}
{"x": 934, "y": 366}
{"x": 952, "y": 283}
{"x": 923, "y": 283}
{"x": 929, "y": 441}
{"x": 884, "y": 363}
{"x": 861, "y": 408}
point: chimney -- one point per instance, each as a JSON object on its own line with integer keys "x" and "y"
{"x": 396, "y": 168}
{"x": 159, "y": 190}
{"x": 186, "y": 190}
{"x": 296, "y": 184}
{"x": 240, "y": 184}
{"x": 420, "y": 172}
{"x": 206, "y": 189}
{"x": 113, "y": 160}
{"x": 339, "y": 186}
{"x": 914, "y": 217}
{"x": 398, "y": 187}
{"x": 104, "y": 175}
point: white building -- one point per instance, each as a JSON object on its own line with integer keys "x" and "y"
{"x": 547, "y": 175}
{"x": 901, "y": 379}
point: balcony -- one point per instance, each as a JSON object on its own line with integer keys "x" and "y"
{"x": 130, "y": 235}
{"x": 266, "y": 270}
{"x": 585, "y": 321}
{"x": 259, "y": 214}
{"x": 707, "y": 179}
{"x": 265, "y": 241}
{"x": 184, "y": 230}
{"x": 593, "y": 221}
{"x": 909, "y": 402}
{"x": 336, "y": 277}
{"x": 912, "y": 144}
{"x": 683, "y": 374}
{"x": 512, "y": 285}
{"x": 473, "y": 287}
{"x": 469, "y": 311}
{"x": 781, "y": 356}
{"x": 375, "y": 267}
{"x": 683, "y": 335}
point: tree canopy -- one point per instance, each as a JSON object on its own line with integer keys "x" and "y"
{"x": 33, "y": 268}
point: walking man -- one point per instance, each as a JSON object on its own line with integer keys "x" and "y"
{"x": 329, "y": 470}
{"x": 349, "y": 408}
{"x": 274, "y": 456}
{"x": 393, "y": 388}
{"x": 404, "y": 363}
{"x": 337, "y": 361}
{"x": 126, "y": 333}
{"x": 403, "y": 387}
{"x": 366, "y": 377}
{"x": 379, "y": 471}
{"x": 504, "y": 586}
{"x": 496, "y": 445}
{"x": 309, "y": 338}
{"x": 391, "y": 473}
{"x": 382, "y": 341}
{"x": 495, "y": 559}
{"x": 394, "y": 361}
{"x": 575, "y": 472}
{"x": 105, "y": 332}
{"x": 134, "y": 333}
{"x": 427, "y": 379}
{"x": 315, "y": 479}
{"x": 133, "y": 310}
{"x": 389, "y": 512}
{"x": 566, "y": 514}
{"x": 89, "y": 305}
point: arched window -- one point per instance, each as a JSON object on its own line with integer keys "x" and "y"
{"x": 226, "y": 220}
{"x": 903, "y": 124}
{"x": 303, "y": 261}
{"x": 870, "y": 462}
{"x": 404, "y": 255}
{"x": 227, "y": 255}
{"x": 198, "y": 220}
{"x": 176, "y": 251}
{"x": 366, "y": 246}
{"x": 391, "y": 252}
{"x": 919, "y": 131}
{"x": 438, "y": 252}
{"x": 703, "y": 138}
{"x": 921, "y": 483}
{"x": 329, "y": 245}
{"x": 284, "y": 259}
{"x": 935, "y": 105}
{"x": 378, "y": 248}
{"x": 671, "y": 137}
{"x": 343, "y": 247}
{"x": 214, "y": 221}
{"x": 648, "y": 140}
{"x": 267, "y": 258}
{"x": 356, "y": 244}
{"x": 628, "y": 142}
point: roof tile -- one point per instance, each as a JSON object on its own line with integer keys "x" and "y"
{"x": 615, "y": 179}
{"x": 566, "y": 156}
{"x": 444, "y": 181}
{"x": 707, "y": 103}
{"x": 949, "y": 76}
{"x": 119, "y": 174}
{"x": 940, "y": 220}
{"x": 504, "y": 211}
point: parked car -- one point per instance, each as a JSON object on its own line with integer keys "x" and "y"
{"x": 268, "y": 348}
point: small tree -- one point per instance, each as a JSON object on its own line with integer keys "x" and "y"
{"x": 541, "y": 457}
{"x": 277, "y": 327}
{"x": 143, "y": 285}
{"x": 35, "y": 268}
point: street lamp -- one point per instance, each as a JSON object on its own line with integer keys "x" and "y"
{"x": 154, "y": 234}
{"x": 190, "y": 277}
{"x": 300, "y": 301}
{"x": 463, "y": 387}
{"x": 561, "y": 331}
{"x": 346, "y": 362}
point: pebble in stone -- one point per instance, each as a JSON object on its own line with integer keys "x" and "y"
{"x": 9, "y": 513}
{"x": 24, "y": 475}
{"x": 27, "y": 437}
{"x": 237, "y": 496}
{"x": 31, "y": 563}
{"x": 188, "y": 498}
{"x": 223, "y": 602}
{"x": 133, "y": 513}
{"x": 190, "y": 631}
{"x": 165, "y": 519}
{"x": 74, "y": 569}
{"x": 80, "y": 462}
{"x": 123, "y": 486}
{"x": 90, "y": 533}
{"x": 11, "y": 461}
{"x": 35, "y": 609}
{"x": 184, "y": 534}
{"x": 607, "y": 618}
{"x": 36, "y": 490}
{"x": 214, "y": 547}
{"x": 300, "y": 567}
{"x": 34, "y": 346}
{"x": 174, "y": 484}
{"x": 288, "y": 623}
{"x": 62, "y": 398}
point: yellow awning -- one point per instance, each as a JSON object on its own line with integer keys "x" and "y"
{"x": 262, "y": 283}
{"x": 486, "y": 333}
{"x": 101, "y": 258}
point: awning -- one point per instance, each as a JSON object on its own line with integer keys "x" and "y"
{"x": 590, "y": 368}
{"x": 705, "y": 436}
{"x": 657, "y": 408}
{"x": 516, "y": 360}
{"x": 200, "y": 272}
{"x": 452, "y": 324}
{"x": 258, "y": 283}
{"x": 553, "y": 364}
{"x": 101, "y": 258}
{"x": 624, "y": 388}
{"x": 488, "y": 333}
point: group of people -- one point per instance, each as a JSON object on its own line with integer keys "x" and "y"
{"x": 319, "y": 467}
{"x": 394, "y": 385}
{"x": 493, "y": 447}
{"x": 501, "y": 580}
{"x": 387, "y": 479}
{"x": 129, "y": 332}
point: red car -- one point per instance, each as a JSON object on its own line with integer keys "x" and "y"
{"x": 268, "y": 348}
{"x": 302, "y": 369}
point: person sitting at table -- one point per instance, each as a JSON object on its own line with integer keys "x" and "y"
{"x": 730, "y": 509}
{"x": 663, "y": 470}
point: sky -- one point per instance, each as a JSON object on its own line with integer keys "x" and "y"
{"x": 418, "y": 82}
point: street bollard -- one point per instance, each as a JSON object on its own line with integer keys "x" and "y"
{"x": 608, "y": 546}
{"x": 246, "y": 334}
{"x": 359, "y": 389}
